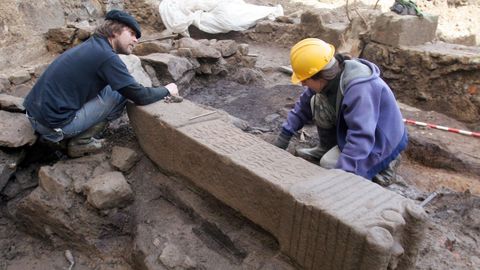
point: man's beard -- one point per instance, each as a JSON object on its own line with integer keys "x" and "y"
{"x": 122, "y": 50}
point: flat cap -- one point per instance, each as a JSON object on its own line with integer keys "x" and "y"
{"x": 125, "y": 18}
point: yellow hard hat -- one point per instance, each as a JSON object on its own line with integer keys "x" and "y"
{"x": 308, "y": 57}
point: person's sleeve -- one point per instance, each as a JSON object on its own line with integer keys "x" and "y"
{"x": 141, "y": 95}
{"x": 361, "y": 113}
{"x": 300, "y": 114}
{"x": 114, "y": 72}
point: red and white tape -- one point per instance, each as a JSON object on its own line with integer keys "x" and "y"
{"x": 454, "y": 130}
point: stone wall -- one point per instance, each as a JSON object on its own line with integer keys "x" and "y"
{"x": 435, "y": 76}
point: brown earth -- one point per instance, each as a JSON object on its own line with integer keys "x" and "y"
{"x": 453, "y": 235}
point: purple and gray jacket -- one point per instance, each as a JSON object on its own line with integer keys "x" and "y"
{"x": 370, "y": 129}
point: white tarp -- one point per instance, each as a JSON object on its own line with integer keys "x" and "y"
{"x": 214, "y": 16}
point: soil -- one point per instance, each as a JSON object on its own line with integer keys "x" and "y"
{"x": 452, "y": 237}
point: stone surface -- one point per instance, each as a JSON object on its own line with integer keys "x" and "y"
{"x": 135, "y": 68}
{"x": 123, "y": 158}
{"x": 168, "y": 67}
{"x": 150, "y": 47}
{"x": 404, "y": 30}
{"x": 434, "y": 77}
{"x": 15, "y": 130}
{"x": 11, "y": 103}
{"x": 109, "y": 190}
{"x": 320, "y": 217}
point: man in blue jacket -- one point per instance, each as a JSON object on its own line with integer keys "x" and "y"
{"x": 88, "y": 86}
{"x": 358, "y": 120}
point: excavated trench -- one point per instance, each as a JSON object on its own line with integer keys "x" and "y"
{"x": 172, "y": 224}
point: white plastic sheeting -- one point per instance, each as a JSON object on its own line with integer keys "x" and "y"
{"x": 214, "y": 16}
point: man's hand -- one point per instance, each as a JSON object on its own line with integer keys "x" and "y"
{"x": 282, "y": 141}
{"x": 172, "y": 89}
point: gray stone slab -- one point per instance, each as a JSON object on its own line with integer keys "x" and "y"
{"x": 323, "y": 219}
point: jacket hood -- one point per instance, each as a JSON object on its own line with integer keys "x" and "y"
{"x": 357, "y": 71}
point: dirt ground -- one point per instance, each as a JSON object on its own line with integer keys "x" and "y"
{"x": 453, "y": 234}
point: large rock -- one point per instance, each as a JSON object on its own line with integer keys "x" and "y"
{"x": 321, "y": 218}
{"x": 404, "y": 30}
{"x": 123, "y": 158}
{"x": 168, "y": 67}
{"x": 434, "y": 77}
{"x": 15, "y": 130}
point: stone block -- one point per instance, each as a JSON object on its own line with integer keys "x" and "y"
{"x": 404, "y": 30}
{"x": 323, "y": 219}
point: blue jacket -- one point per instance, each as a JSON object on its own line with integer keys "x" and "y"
{"x": 370, "y": 129}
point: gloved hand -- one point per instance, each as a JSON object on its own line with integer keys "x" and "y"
{"x": 282, "y": 140}
{"x": 172, "y": 89}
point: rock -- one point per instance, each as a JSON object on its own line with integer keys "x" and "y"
{"x": 123, "y": 158}
{"x": 152, "y": 74}
{"x": 62, "y": 35}
{"x": 146, "y": 48}
{"x": 11, "y": 103}
{"x": 19, "y": 77}
{"x": 199, "y": 50}
{"x": 247, "y": 75}
{"x": 135, "y": 68}
{"x": 109, "y": 190}
{"x": 173, "y": 258}
{"x": 243, "y": 48}
{"x": 15, "y": 130}
{"x": 264, "y": 27}
{"x": 226, "y": 47}
{"x": 39, "y": 69}
{"x": 169, "y": 67}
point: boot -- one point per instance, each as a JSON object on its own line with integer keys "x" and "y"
{"x": 327, "y": 140}
{"x": 86, "y": 143}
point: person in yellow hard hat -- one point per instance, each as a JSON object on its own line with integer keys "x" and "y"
{"x": 359, "y": 123}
